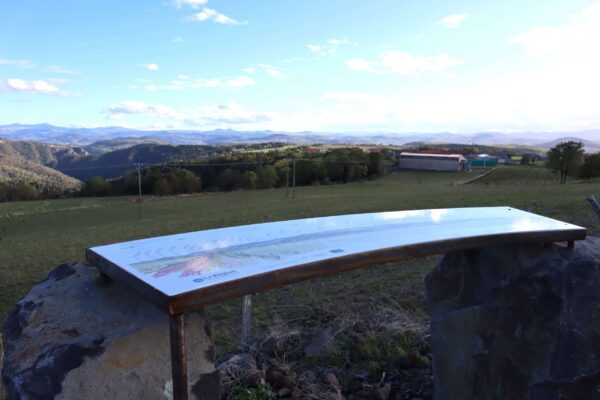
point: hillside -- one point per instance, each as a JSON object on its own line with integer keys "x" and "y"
{"x": 590, "y": 146}
{"x": 14, "y": 168}
{"x": 32, "y": 162}
{"x": 114, "y": 163}
{"x": 105, "y": 146}
{"x": 40, "y": 153}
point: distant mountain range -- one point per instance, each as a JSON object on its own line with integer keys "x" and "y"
{"x": 87, "y": 136}
{"x": 54, "y": 156}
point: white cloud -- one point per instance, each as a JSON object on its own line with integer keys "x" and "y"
{"x": 237, "y": 82}
{"x": 402, "y": 63}
{"x": 270, "y": 70}
{"x": 24, "y": 64}
{"x": 151, "y": 67}
{"x": 189, "y": 3}
{"x": 227, "y": 114}
{"x": 359, "y": 64}
{"x": 57, "y": 69}
{"x": 329, "y": 48}
{"x": 184, "y": 82}
{"x": 453, "y": 20}
{"x": 355, "y": 97}
{"x": 208, "y": 14}
{"x": 35, "y": 86}
{"x": 177, "y": 39}
{"x": 128, "y": 107}
{"x": 578, "y": 36}
{"x": 314, "y": 48}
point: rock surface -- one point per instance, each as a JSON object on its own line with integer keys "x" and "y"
{"x": 518, "y": 322}
{"x": 73, "y": 337}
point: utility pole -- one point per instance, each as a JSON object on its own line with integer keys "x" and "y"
{"x": 287, "y": 180}
{"x": 138, "y": 166}
{"x": 294, "y": 180}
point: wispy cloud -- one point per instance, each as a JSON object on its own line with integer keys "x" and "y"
{"x": 329, "y": 48}
{"x": 183, "y": 82}
{"x": 150, "y": 67}
{"x": 203, "y": 116}
{"x": 189, "y": 3}
{"x": 357, "y": 97}
{"x": 34, "y": 86}
{"x": 208, "y": 14}
{"x": 401, "y": 63}
{"x": 24, "y": 64}
{"x": 58, "y": 69}
{"x": 177, "y": 39}
{"x": 453, "y": 20}
{"x": 267, "y": 68}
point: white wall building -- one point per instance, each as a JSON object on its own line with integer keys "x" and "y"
{"x": 432, "y": 162}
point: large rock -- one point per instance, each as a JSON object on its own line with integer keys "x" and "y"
{"x": 74, "y": 337}
{"x": 518, "y": 322}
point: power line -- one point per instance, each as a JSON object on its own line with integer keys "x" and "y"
{"x": 205, "y": 164}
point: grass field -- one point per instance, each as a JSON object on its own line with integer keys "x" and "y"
{"x": 46, "y": 233}
{"x": 519, "y": 175}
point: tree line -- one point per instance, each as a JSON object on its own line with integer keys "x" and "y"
{"x": 21, "y": 190}
{"x": 568, "y": 159}
{"x": 235, "y": 171}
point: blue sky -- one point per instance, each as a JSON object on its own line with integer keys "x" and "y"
{"x": 331, "y": 66}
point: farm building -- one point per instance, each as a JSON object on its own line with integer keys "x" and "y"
{"x": 432, "y": 162}
{"x": 483, "y": 160}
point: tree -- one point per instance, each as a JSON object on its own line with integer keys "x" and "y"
{"x": 565, "y": 158}
{"x": 375, "y": 166}
{"x": 250, "y": 178}
{"x": 526, "y": 159}
{"x": 230, "y": 179}
{"x": 24, "y": 191}
{"x": 97, "y": 187}
{"x": 591, "y": 166}
{"x": 187, "y": 181}
{"x": 162, "y": 187}
{"x": 267, "y": 177}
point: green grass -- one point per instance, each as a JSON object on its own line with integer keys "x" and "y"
{"x": 519, "y": 175}
{"x": 47, "y": 233}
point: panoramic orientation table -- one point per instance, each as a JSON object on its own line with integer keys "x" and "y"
{"x": 188, "y": 271}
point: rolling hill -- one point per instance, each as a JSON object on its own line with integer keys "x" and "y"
{"x": 32, "y": 162}
{"x": 18, "y": 169}
{"x": 87, "y": 136}
{"x": 590, "y": 146}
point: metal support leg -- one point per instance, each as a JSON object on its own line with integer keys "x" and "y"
{"x": 246, "y": 320}
{"x": 178, "y": 359}
{"x": 571, "y": 244}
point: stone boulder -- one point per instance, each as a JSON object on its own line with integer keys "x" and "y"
{"x": 75, "y": 337}
{"x": 517, "y": 322}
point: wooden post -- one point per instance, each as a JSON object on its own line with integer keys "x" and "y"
{"x": 178, "y": 358}
{"x": 246, "y": 320}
